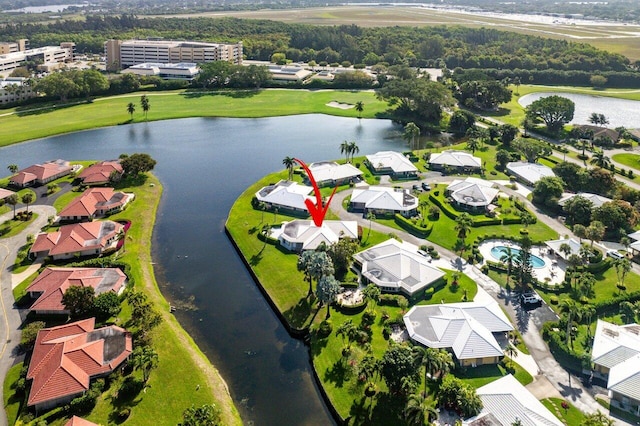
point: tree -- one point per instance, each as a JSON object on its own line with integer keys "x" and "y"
{"x": 106, "y": 305}
{"x": 598, "y": 80}
{"x": 596, "y": 419}
{"x": 555, "y": 111}
{"x": 131, "y": 108}
{"x": 502, "y": 158}
{"x": 411, "y": 132}
{"x": 79, "y": 300}
{"x": 58, "y": 85}
{"x": 27, "y": 198}
{"x": 461, "y": 121}
{"x": 29, "y": 334}
{"x": 138, "y": 163}
{"x": 508, "y": 133}
{"x": 532, "y": 150}
{"x": 454, "y": 393}
{"x": 511, "y": 352}
{"x": 526, "y": 218}
{"x": 578, "y": 210}
{"x": 623, "y": 266}
{"x": 419, "y": 410}
{"x": 353, "y": 149}
{"x": 304, "y": 265}
{"x": 143, "y": 315}
{"x": 473, "y": 144}
{"x": 13, "y": 168}
{"x": 572, "y": 311}
{"x": 524, "y": 268}
{"x": 341, "y": 254}
{"x": 508, "y": 257}
{"x": 359, "y": 108}
{"x": 372, "y": 293}
{"x": 464, "y": 222}
{"x": 616, "y": 215}
{"x": 600, "y": 159}
{"x": 327, "y": 291}
{"x": 547, "y": 191}
{"x": 629, "y": 311}
{"x": 289, "y": 163}
{"x": 565, "y": 249}
{"x": 12, "y": 200}
{"x": 428, "y": 359}
{"x": 205, "y": 415}
{"x": 595, "y": 231}
{"x": 215, "y": 74}
{"x": 397, "y": 367}
{"x": 347, "y": 329}
{"x": 370, "y": 217}
{"x": 145, "y": 104}
{"x": 144, "y": 358}
{"x": 345, "y": 149}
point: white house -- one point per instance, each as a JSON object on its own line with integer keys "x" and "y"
{"x": 472, "y": 193}
{"x": 460, "y": 160}
{"x": 384, "y": 200}
{"x": 529, "y": 173}
{"x": 286, "y": 196}
{"x": 397, "y": 267}
{"x": 391, "y": 163}
{"x": 506, "y": 401}
{"x": 555, "y": 245}
{"x": 327, "y": 173}
{"x": 468, "y": 329}
{"x": 300, "y": 235}
{"x": 596, "y": 200}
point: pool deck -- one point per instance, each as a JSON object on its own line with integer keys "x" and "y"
{"x": 553, "y": 270}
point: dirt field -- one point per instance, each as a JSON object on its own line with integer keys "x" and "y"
{"x": 614, "y": 37}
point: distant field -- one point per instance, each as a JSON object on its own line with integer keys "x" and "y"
{"x": 618, "y": 38}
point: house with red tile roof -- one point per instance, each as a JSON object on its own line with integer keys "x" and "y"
{"x": 66, "y": 358}
{"x": 40, "y": 174}
{"x": 80, "y": 239}
{"x": 49, "y": 287}
{"x": 95, "y": 202}
{"x": 4, "y": 193}
{"x": 100, "y": 173}
{"x": 79, "y": 421}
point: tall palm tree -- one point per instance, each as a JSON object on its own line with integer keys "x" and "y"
{"x": 359, "y": 107}
{"x": 599, "y": 159}
{"x": 623, "y": 266}
{"x": 345, "y": 149}
{"x": 353, "y": 149}
{"x": 12, "y": 200}
{"x": 146, "y": 106}
{"x": 463, "y": 225}
{"x": 565, "y": 249}
{"x": 419, "y": 410}
{"x": 572, "y": 310}
{"x": 289, "y": 163}
{"x": 511, "y": 352}
{"x": 508, "y": 257}
{"x": 13, "y": 168}
{"x": 411, "y": 132}
{"x": 588, "y": 311}
{"x": 445, "y": 363}
{"x": 428, "y": 359}
{"x": 473, "y": 144}
{"x": 144, "y": 358}
{"x": 371, "y": 217}
{"x": 27, "y": 199}
{"x": 131, "y": 108}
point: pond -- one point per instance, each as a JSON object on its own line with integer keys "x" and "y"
{"x": 204, "y": 165}
{"x": 620, "y": 112}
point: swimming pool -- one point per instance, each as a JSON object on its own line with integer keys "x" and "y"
{"x": 498, "y": 251}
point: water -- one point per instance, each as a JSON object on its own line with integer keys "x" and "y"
{"x": 620, "y": 112}
{"x": 54, "y": 8}
{"x": 204, "y": 164}
{"x": 498, "y": 251}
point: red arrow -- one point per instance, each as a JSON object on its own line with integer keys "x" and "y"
{"x": 317, "y": 211}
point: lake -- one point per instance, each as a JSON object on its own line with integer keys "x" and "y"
{"x": 204, "y": 165}
{"x": 620, "y": 112}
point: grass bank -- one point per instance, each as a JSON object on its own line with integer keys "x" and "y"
{"x": 17, "y": 125}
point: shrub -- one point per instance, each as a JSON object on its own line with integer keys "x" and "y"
{"x": 83, "y": 404}
{"x": 124, "y": 414}
{"x": 325, "y": 328}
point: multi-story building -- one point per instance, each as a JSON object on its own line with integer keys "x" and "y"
{"x": 15, "y": 89}
{"x": 122, "y": 54}
{"x": 50, "y": 57}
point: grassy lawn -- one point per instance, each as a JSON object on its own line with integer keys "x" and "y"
{"x": 629, "y": 160}
{"x": 182, "y": 368}
{"x": 47, "y": 121}
{"x": 483, "y": 374}
{"x": 570, "y": 416}
{"x": 12, "y": 227}
{"x": 12, "y": 403}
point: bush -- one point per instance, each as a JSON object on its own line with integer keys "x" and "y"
{"x": 390, "y": 300}
{"x": 325, "y": 328}
{"x": 553, "y": 300}
{"x": 83, "y": 404}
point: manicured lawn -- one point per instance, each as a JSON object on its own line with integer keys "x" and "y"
{"x": 12, "y": 402}
{"x": 483, "y": 374}
{"x": 629, "y": 160}
{"x": 111, "y": 111}
{"x": 570, "y": 416}
{"x": 12, "y": 227}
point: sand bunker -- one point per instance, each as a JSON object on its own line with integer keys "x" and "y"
{"x": 334, "y": 104}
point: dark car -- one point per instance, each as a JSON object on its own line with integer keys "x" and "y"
{"x": 426, "y": 186}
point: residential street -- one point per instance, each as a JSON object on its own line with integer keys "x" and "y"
{"x": 553, "y": 380}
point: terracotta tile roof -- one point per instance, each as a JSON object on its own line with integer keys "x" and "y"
{"x": 53, "y": 282}
{"x": 79, "y": 421}
{"x": 100, "y": 172}
{"x": 4, "y": 193}
{"x": 94, "y": 200}
{"x": 77, "y": 238}
{"x": 41, "y": 172}
{"x": 66, "y": 357}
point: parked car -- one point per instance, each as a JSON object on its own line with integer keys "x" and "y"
{"x": 614, "y": 254}
{"x": 425, "y": 254}
{"x": 530, "y": 298}
{"x": 426, "y": 186}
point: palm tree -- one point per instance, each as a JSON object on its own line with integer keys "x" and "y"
{"x": 473, "y": 144}
{"x": 346, "y": 330}
{"x": 463, "y": 225}
{"x": 623, "y": 266}
{"x": 509, "y": 257}
{"x": 345, "y": 149}
{"x": 588, "y": 311}
{"x": 572, "y": 310}
{"x": 428, "y": 359}
{"x": 599, "y": 159}
{"x": 359, "y": 107}
{"x": 565, "y": 249}
{"x": 131, "y": 108}
{"x": 411, "y": 132}
{"x": 445, "y": 363}
{"x": 146, "y": 106}
{"x": 511, "y": 352}
{"x": 27, "y": 199}
{"x": 262, "y": 206}
{"x": 371, "y": 217}
{"x": 12, "y": 200}
{"x": 13, "y": 168}
{"x": 419, "y": 410}
{"x": 353, "y": 149}
{"x": 144, "y": 358}
{"x": 594, "y": 118}
{"x": 289, "y": 163}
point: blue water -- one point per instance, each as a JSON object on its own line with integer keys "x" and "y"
{"x": 498, "y": 251}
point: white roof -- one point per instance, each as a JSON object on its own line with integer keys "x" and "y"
{"x": 393, "y": 160}
{"x": 455, "y": 158}
{"x": 466, "y": 327}
{"x": 635, "y": 245}
{"x": 624, "y": 378}
{"x": 307, "y": 233}
{"x": 596, "y": 200}
{"x": 506, "y": 400}
{"x": 330, "y": 171}
{"x": 613, "y": 344}
{"x": 385, "y": 198}
{"x": 573, "y": 245}
{"x": 395, "y": 264}
{"x": 531, "y": 172}
{"x": 286, "y": 194}
{"x": 634, "y": 236}
{"x": 473, "y": 191}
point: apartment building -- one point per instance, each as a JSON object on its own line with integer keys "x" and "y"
{"x": 51, "y": 57}
{"x": 15, "y": 89}
{"x": 122, "y": 54}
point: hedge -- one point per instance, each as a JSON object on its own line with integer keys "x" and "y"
{"x": 408, "y": 225}
{"x": 477, "y": 221}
